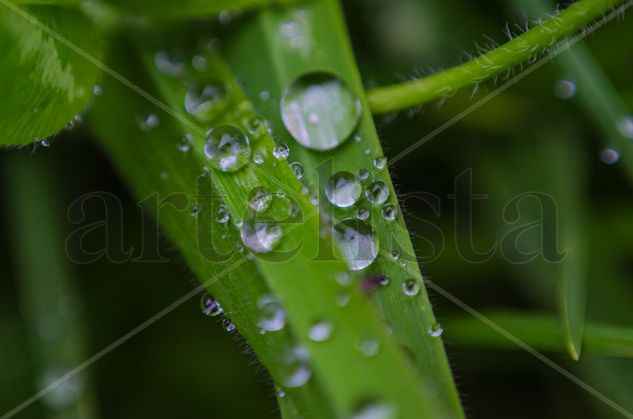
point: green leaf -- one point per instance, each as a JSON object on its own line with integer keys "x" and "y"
{"x": 290, "y": 43}
{"x": 307, "y": 288}
{"x": 542, "y": 332}
{"x": 44, "y": 83}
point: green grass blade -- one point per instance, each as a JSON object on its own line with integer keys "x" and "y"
{"x": 44, "y": 84}
{"x": 542, "y": 332}
{"x": 50, "y": 303}
{"x": 321, "y": 24}
{"x": 520, "y": 49}
{"x": 306, "y": 288}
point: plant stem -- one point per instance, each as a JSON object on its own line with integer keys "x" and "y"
{"x": 503, "y": 58}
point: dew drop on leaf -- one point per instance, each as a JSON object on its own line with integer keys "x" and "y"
{"x": 260, "y": 236}
{"x": 272, "y": 316}
{"x": 380, "y": 163}
{"x": 295, "y": 369}
{"x": 609, "y": 156}
{"x": 259, "y": 199}
{"x": 343, "y": 189}
{"x": 169, "y": 64}
{"x": 565, "y": 89}
{"x": 320, "y": 331}
{"x": 389, "y": 212}
{"x": 228, "y": 325}
{"x": 222, "y": 214}
{"x": 227, "y": 148}
{"x": 625, "y": 126}
{"x": 377, "y": 192}
{"x": 435, "y": 330}
{"x": 320, "y": 111}
{"x": 358, "y": 243}
{"x": 411, "y": 287}
{"x": 369, "y": 347}
{"x": 204, "y": 101}
{"x": 297, "y": 169}
{"x": 210, "y": 306}
{"x": 281, "y": 152}
{"x": 184, "y": 145}
{"x": 148, "y": 122}
{"x": 373, "y": 409}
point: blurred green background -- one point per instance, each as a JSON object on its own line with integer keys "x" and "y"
{"x": 186, "y": 365}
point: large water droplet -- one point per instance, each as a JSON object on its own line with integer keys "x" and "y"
{"x": 373, "y": 409}
{"x": 204, "y": 101}
{"x": 295, "y": 368}
{"x": 210, "y": 306}
{"x": 261, "y": 236}
{"x": 272, "y": 316}
{"x": 320, "y": 111}
{"x": 343, "y": 190}
{"x": 259, "y": 199}
{"x": 377, "y": 192}
{"x": 228, "y": 149}
{"x": 357, "y": 242}
{"x": 320, "y": 331}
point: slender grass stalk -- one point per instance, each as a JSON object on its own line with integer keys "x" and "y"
{"x": 274, "y": 34}
{"x": 306, "y": 288}
{"x": 520, "y": 49}
{"x": 52, "y": 310}
{"x": 543, "y": 332}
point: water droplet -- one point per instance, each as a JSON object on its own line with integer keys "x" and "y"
{"x": 625, "y": 126}
{"x": 343, "y": 279}
{"x": 222, "y": 214}
{"x": 281, "y": 152}
{"x": 358, "y": 138}
{"x": 609, "y": 156}
{"x": 435, "y": 330}
{"x": 411, "y": 287}
{"x": 148, "y": 122}
{"x": 368, "y": 347}
{"x": 343, "y": 298}
{"x": 164, "y": 175}
{"x": 225, "y": 17}
{"x": 170, "y": 64}
{"x": 259, "y": 199}
{"x": 97, "y": 90}
{"x": 297, "y": 169}
{"x": 395, "y": 255}
{"x": 210, "y": 306}
{"x": 44, "y": 143}
{"x": 257, "y": 126}
{"x": 228, "y": 149}
{"x": 228, "y": 325}
{"x": 295, "y": 368}
{"x": 343, "y": 189}
{"x": 377, "y": 192}
{"x": 264, "y": 95}
{"x": 205, "y": 101}
{"x": 320, "y": 111}
{"x": 373, "y": 409}
{"x": 380, "y": 163}
{"x": 320, "y": 331}
{"x": 362, "y": 213}
{"x": 565, "y": 89}
{"x": 66, "y": 392}
{"x": 363, "y": 174}
{"x": 281, "y": 393}
{"x": 261, "y": 236}
{"x": 357, "y": 242}
{"x": 389, "y": 212}
{"x": 195, "y": 210}
{"x": 199, "y": 62}
{"x": 185, "y": 143}
{"x": 272, "y": 316}
{"x": 383, "y": 279}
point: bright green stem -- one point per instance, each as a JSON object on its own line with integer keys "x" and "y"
{"x": 418, "y": 92}
{"x": 542, "y": 332}
{"x": 49, "y": 302}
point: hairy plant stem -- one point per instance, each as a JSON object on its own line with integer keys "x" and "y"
{"x": 503, "y": 58}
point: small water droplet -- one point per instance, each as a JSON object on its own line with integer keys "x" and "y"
{"x": 204, "y": 101}
{"x": 224, "y": 17}
{"x": 281, "y": 393}
{"x": 389, "y": 212}
{"x": 380, "y": 163}
{"x": 195, "y": 210}
{"x": 343, "y": 298}
{"x": 257, "y": 126}
{"x": 185, "y": 143}
{"x": 435, "y": 330}
{"x": 222, "y": 214}
{"x": 272, "y": 316}
{"x": 259, "y": 199}
{"x": 66, "y": 392}
{"x": 343, "y": 279}
{"x": 199, "y": 62}
{"x": 169, "y": 64}
{"x": 565, "y": 89}
{"x": 368, "y": 347}
{"x": 148, "y": 122}
{"x": 362, "y": 213}
{"x": 320, "y": 111}
{"x": 260, "y": 236}
{"x": 264, "y": 95}
{"x": 373, "y": 409}
{"x": 97, "y": 90}
{"x": 228, "y": 148}
{"x": 358, "y": 138}
{"x": 343, "y": 189}
{"x": 228, "y": 325}
{"x": 363, "y": 174}
{"x": 297, "y": 169}
{"x": 384, "y": 279}
{"x": 609, "y": 156}
{"x": 625, "y": 126}
{"x": 281, "y": 152}
{"x": 411, "y": 287}
{"x": 210, "y": 306}
{"x": 358, "y": 243}
{"x": 377, "y": 192}
{"x": 295, "y": 369}
{"x": 320, "y": 331}
{"x": 395, "y": 255}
